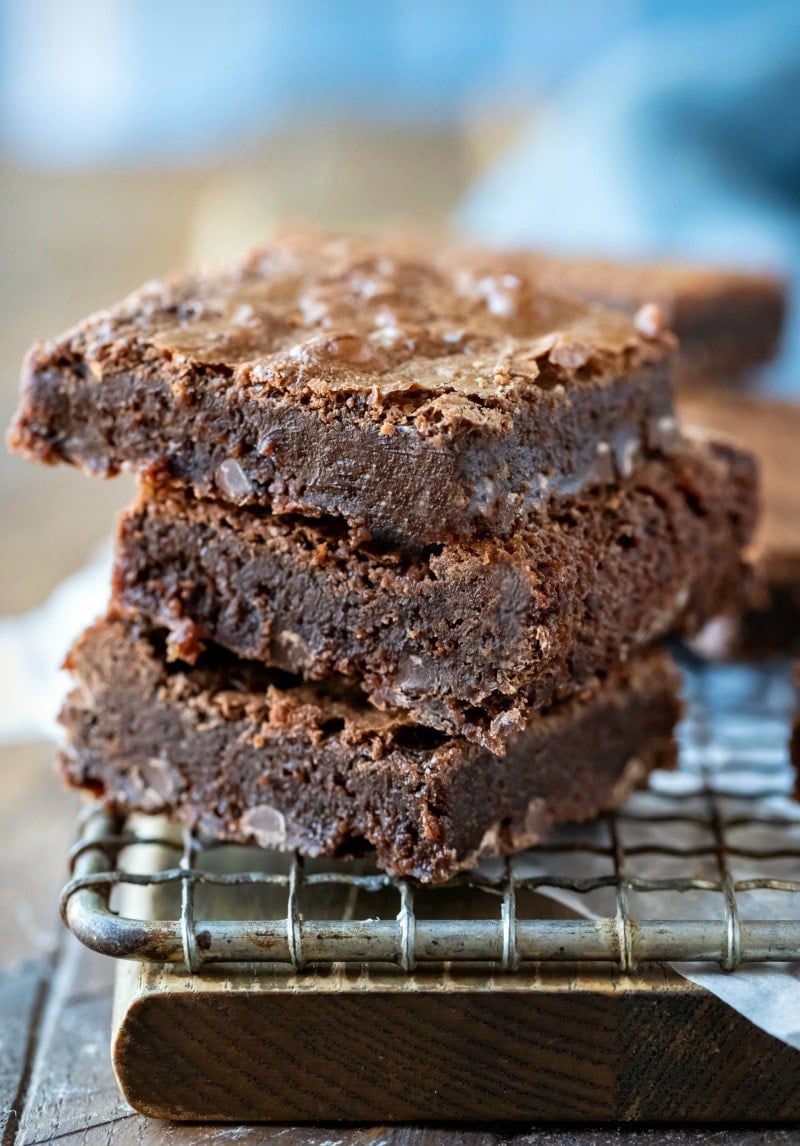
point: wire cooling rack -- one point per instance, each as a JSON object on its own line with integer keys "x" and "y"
{"x": 704, "y": 866}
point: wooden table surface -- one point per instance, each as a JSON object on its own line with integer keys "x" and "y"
{"x": 56, "y": 1083}
{"x": 72, "y": 243}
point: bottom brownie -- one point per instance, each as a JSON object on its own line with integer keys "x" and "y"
{"x": 250, "y": 755}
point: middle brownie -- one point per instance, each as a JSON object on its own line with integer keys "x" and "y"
{"x": 467, "y": 638}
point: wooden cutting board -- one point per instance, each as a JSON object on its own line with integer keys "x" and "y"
{"x": 569, "y": 1043}
{"x": 371, "y": 1043}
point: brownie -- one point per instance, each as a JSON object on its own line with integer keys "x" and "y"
{"x": 467, "y": 638}
{"x": 771, "y": 430}
{"x": 248, "y": 755}
{"x": 727, "y": 321}
{"x": 426, "y": 397}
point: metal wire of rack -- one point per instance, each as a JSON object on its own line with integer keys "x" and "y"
{"x": 721, "y": 832}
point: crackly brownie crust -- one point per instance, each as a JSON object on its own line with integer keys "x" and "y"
{"x": 770, "y": 429}
{"x": 424, "y": 396}
{"x": 728, "y": 322}
{"x": 470, "y": 638}
{"x": 223, "y": 747}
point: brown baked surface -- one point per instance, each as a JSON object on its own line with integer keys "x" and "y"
{"x": 727, "y": 321}
{"x": 426, "y": 396}
{"x": 469, "y": 639}
{"x": 770, "y": 429}
{"x": 248, "y": 755}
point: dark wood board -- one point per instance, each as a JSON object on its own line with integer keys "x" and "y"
{"x": 552, "y": 1044}
{"x": 72, "y": 1096}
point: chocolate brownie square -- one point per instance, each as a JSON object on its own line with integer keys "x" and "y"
{"x": 425, "y": 395}
{"x": 468, "y": 638}
{"x": 248, "y": 755}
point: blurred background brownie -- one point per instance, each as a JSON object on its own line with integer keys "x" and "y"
{"x": 771, "y": 430}
{"x": 728, "y": 322}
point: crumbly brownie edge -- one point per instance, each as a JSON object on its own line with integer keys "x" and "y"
{"x": 310, "y": 771}
{"x": 468, "y": 639}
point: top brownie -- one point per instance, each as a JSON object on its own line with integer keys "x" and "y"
{"x": 424, "y": 395}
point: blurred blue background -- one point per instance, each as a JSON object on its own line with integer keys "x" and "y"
{"x": 633, "y": 126}
{"x": 141, "y": 135}
{"x": 104, "y": 80}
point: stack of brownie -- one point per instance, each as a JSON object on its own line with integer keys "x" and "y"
{"x": 408, "y": 532}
